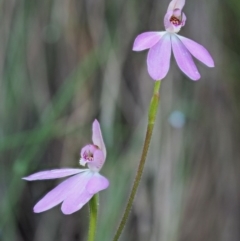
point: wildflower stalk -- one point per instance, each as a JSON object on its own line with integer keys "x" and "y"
{"x": 151, "y": 121}
{"x": 93, "y": 211}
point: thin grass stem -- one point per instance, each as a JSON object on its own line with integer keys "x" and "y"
{"x": 151, "y": 121}
{"x": 93, "y": 210}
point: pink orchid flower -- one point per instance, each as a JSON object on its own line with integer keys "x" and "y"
{"x": 161, "y": 43}
{"x": 77, "y": 190}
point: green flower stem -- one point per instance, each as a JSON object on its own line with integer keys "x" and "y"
{"x": 93, "y": 210}
{"x": 151, "y": 121}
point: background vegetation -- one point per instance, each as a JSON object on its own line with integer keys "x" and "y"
{"x": 64, "y": 63}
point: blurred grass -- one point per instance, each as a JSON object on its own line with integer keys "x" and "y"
{"x": 64, "y": 63}
{"x": 41, "y": 139}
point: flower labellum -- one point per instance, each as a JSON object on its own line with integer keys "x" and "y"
{"x": 160, "y": 45}
{"x": 78, "y": 189}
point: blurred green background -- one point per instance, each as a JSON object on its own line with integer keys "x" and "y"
{"x": 64, "y": 63}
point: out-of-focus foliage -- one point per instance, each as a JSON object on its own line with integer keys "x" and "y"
{"x": 64, "y": 63}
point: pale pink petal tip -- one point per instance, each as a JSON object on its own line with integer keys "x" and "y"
{"x": 176, "y": 4}
{"x": 52, "y": 174}
{"x": 146, "y": 40}
{"x": 198, "y": 51}
{"x": 97, "y": 137}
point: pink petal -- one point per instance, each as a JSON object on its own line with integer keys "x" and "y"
{"x": 146, "y": 40}
{"x": 98, "y": 161}
{"x": 184, "y": 58}
{"x": 169, "y": 26}
{"x": 198, "y": 51}
{"x": 51, "y": 174}
{"x": 86, "y": 153}
{"x": 97, "y": 183}
{"x": 158, "y": 59}
{"x": 75, "y": 202}
{"x": 78, "y": 196}
{"x": 167, "y": 23}
{"x": 61, "y": 192}
{"x": 97, "y": 137}
{"x": 184, "y": 19}
{"x": 176, "y": 4}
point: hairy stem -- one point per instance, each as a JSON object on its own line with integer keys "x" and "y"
{"x": 151, "y": 121}
{"x": 93, "y": 211}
